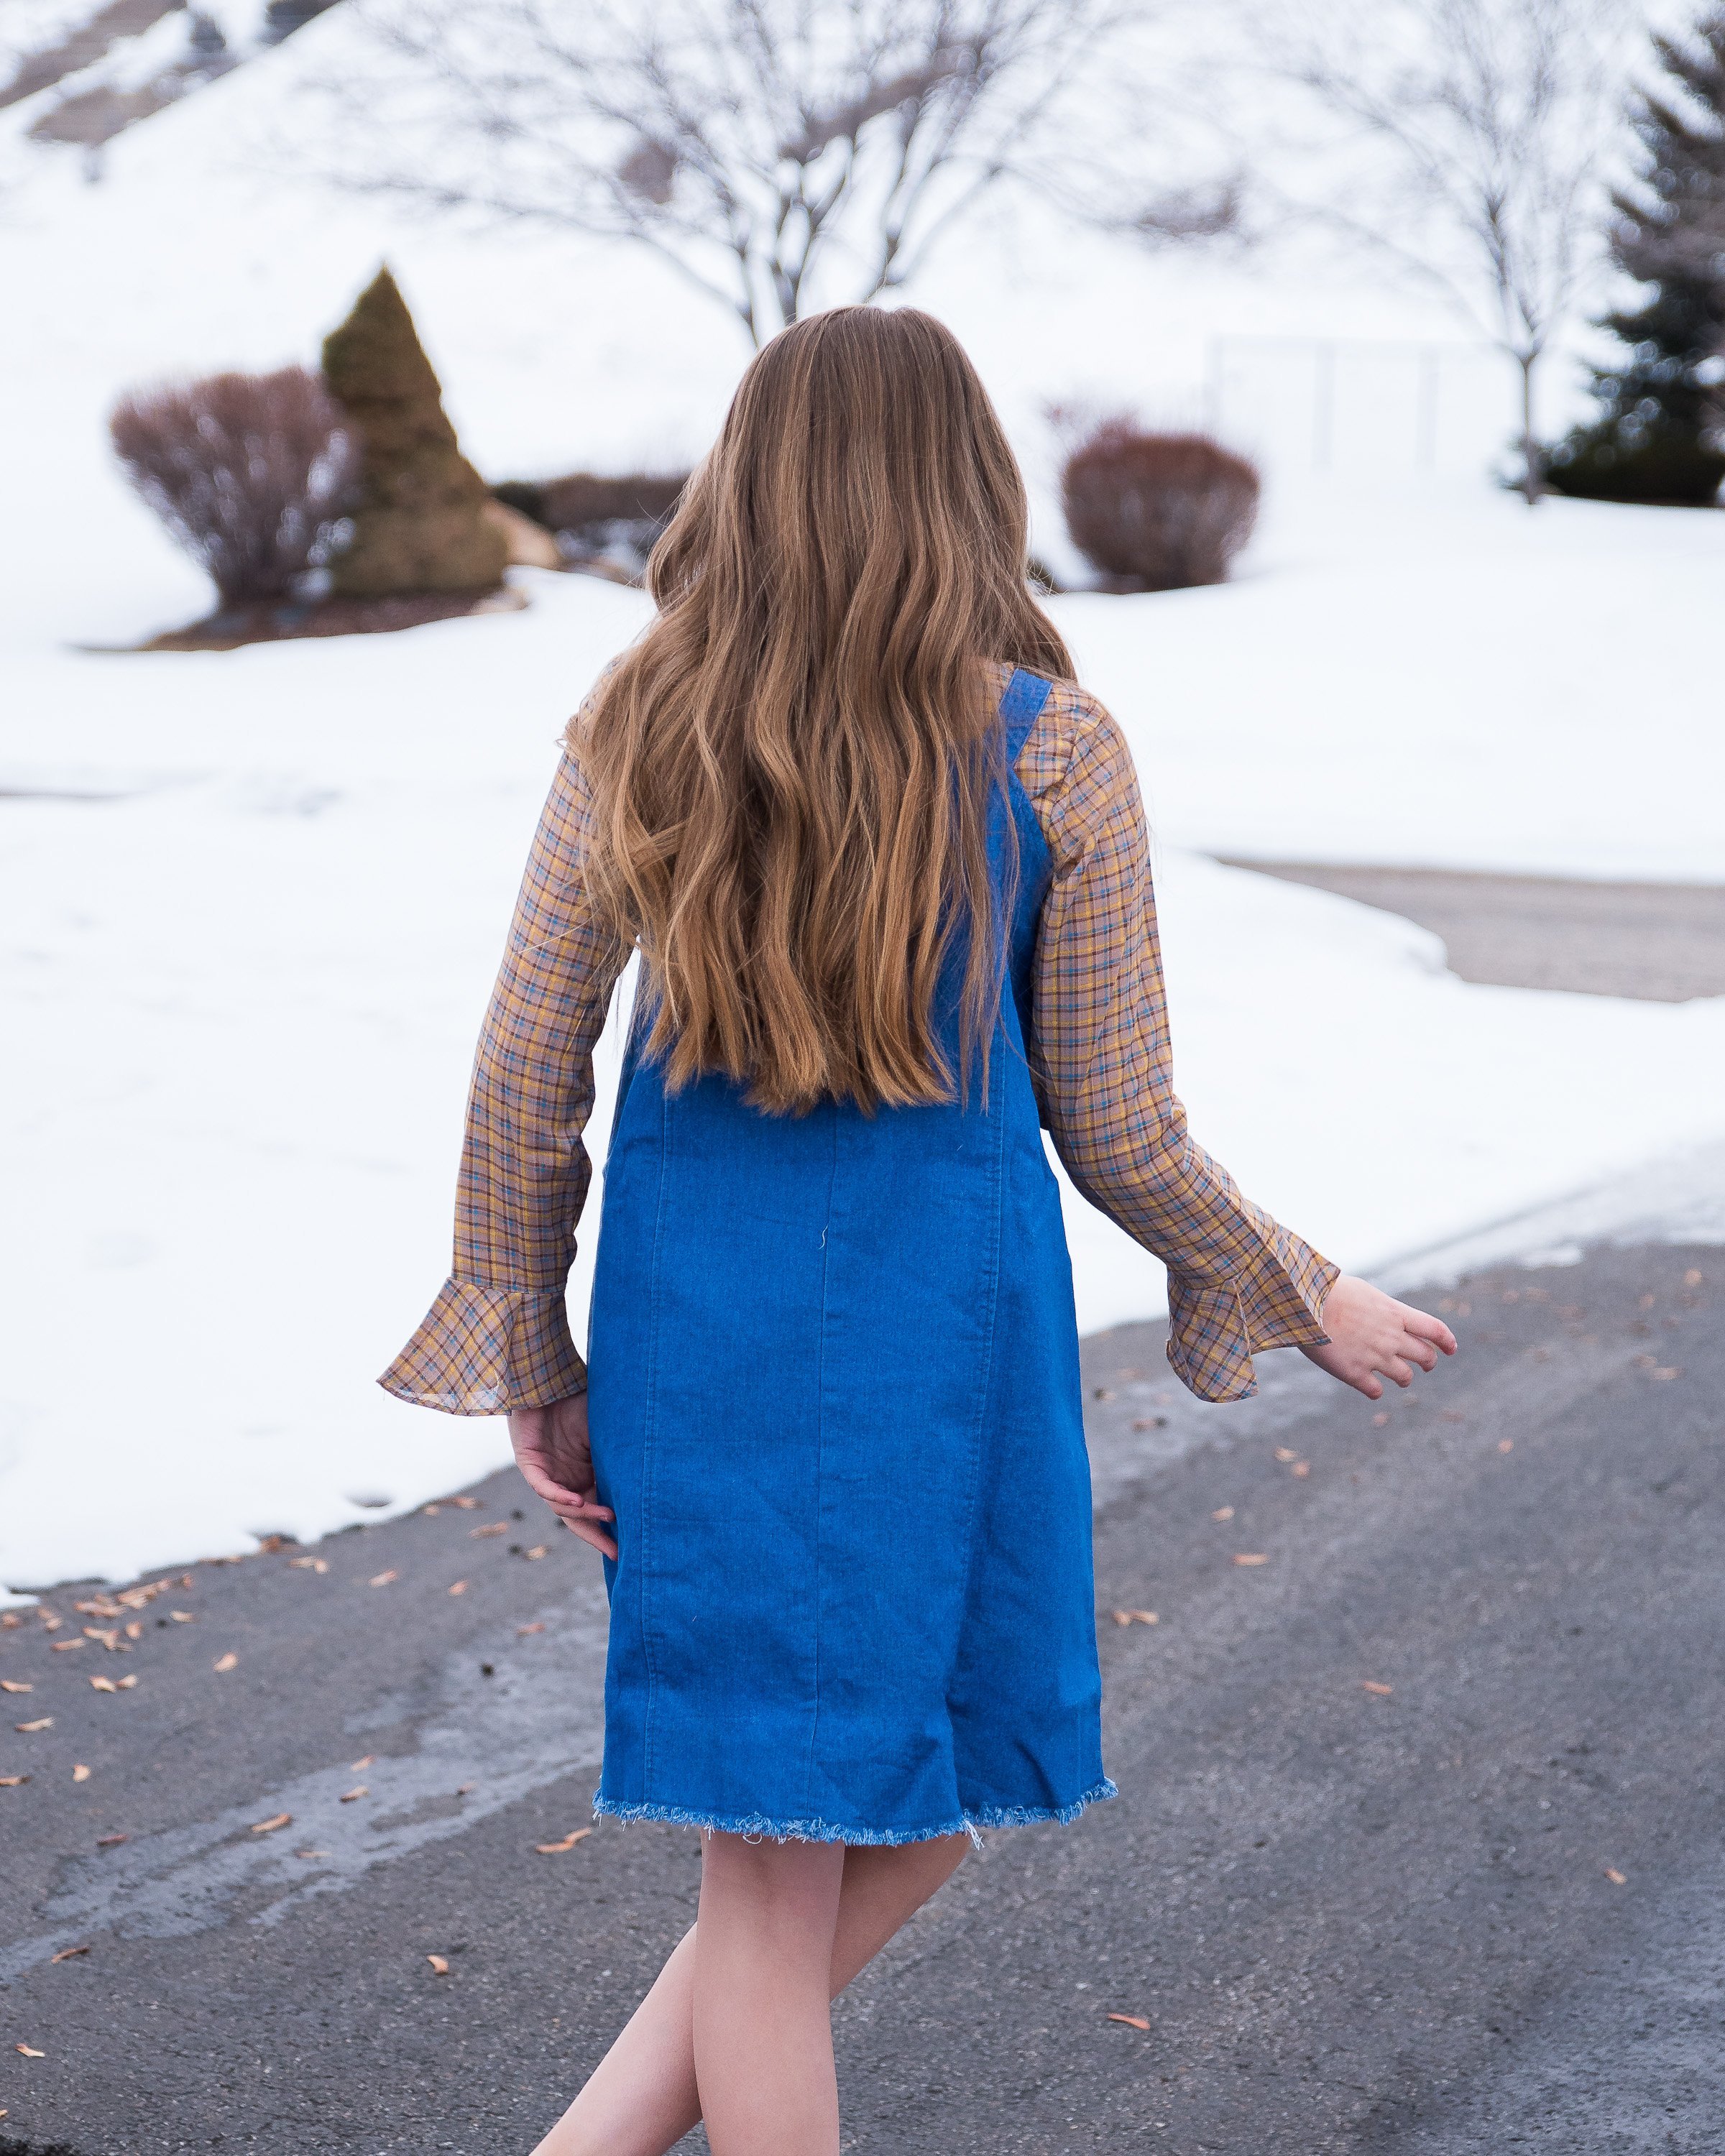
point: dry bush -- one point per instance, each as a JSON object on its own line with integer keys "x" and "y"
{"x": 251, "y": 473}
{"x": 1157, "y": 512}
{"x": 596, "y": 517}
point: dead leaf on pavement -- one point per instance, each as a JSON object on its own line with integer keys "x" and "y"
{"x": 69, "y": 1953}
{"x": 309, "y": 1563}
{"x": 1131, "y": 2020}
{"x": 13, "y": 1781}
{"x": 230, "y": 1660}
{"x": 496, "y": 1527}
{"x": 568, "y": 1842}
{"x": 28, "y": 2053}
{"x": 1382, "y": 1691}
{"x": 1692, "y": 1277}
{"x": 1616, "y": 1877}
{"x": 467, "y": 1788}
{"x": 135, "y": 1630}
{"x": 182, "y": 1616}
{"x": 1223, "y": 1512}
{"x": 126, "y": 1684}
{"x": 382, "y": 1578}
{"x": 103, "y": 1684}
{"x": 1379, "y": 1420}
{"x": 1662, "y": 1374}
{"x": 67, "y": 1646}
{"x": 1302, "y": 1468}
{"x": 312, "y": 1852}
{"x": 538, "y": 1550}
{"x": 431, "y": 1512}
{"x": 1251, "y": 1556}
{"x": 522, "y": 1630}
{"x": 81, "y": 1773}
{"x": 1285, "y": 1454}
{"x": 460, "y": 1588}
{"x": 12, "y": 1684}
{"x": 350, "y": 1796}
{"x": 112, "y": 1840}
{"x": 269, "y": 1825}
{"x": 1506, "y": 1445}
{"x": 28, "y": 1728}
{"x": 439, "y": 1964}
{"x": 359, "y": 1766}
{"x": 1135, "y": 1617}
{"x": 467, "y": 1504}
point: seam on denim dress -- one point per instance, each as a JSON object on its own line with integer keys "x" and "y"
{"x": 648, "y": 1433}
{"x": 820, "y": 1440}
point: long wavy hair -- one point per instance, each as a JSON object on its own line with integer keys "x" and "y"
{"x": 793, "y": 768}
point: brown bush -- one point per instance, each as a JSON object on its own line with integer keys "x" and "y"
{"x": 1157, "y": 512}
{"x": 250, "y": 472}
{"x": 598, "y": 517}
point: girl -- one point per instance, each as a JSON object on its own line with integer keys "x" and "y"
{"x": 887, "y": 871}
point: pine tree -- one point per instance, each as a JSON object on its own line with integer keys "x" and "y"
{"x": 420, "y": 522}
{"x": 1660, "y": 434}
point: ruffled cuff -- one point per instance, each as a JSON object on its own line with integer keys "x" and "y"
{"x": 1215, "y": 1329}
{"x": 482, "y": 1350}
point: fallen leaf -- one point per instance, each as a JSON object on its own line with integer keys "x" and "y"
{"x": 1669, "y": 1373}
{"x": 1382, "y": 1691}
{"x": 359, "y": 1766}
{"x": 69, "y": 1953}
{"x": 308, "y": 1563}
{"x": 109, "y": 1639}
{"x": 28, "y": 2053}
{"x": 1131, "y": 2020}
{"x": 25, "y": 1728}
{"x": 467, "y": 1788}
{"x": 1250, "y": 1557}
{"x": 1506, "y": 1445}
{"x": 1302, "y": 1468}
{"x": 312, "y": 1852}
{"x": 135, "y": 1630}
{"x": 1615, "y": 1877}
{"x": 431, "y": 1512}
{"x": 225, "y": 1662}
{"x": 496, "y": 1527}
{"x": 460, "y": 1588}
{"x": 103, "y": 1684}
{"x": 12, "y": 1684}
{"x": 1135, "y": 1617}
{"x": 1102, "y": 1393}
{"x": 467, "y": 1504}
{"x": 538, "y": 1550}
{"x": 1223, "y": 1512}
{"x": 269, "y": 1825}
{"x": 50, "y": 1623}
{"x": 521, "y": 1631}
{"x": 182, "y": 1616}
{"x": 112, "y": 1840}
{"x": 382, "y": 1578}
{"x": 1284, "y": 1452}
{"x": 1691, "y": 1278}
{"x": 66, "y": 1646}
{"x": 1150, "y": 1422}
{"x": 126, "y": 1684}
{"x": 13, "y": 1781}
{"x": 350, "y": 1796}
{"x": 439, "y": 1964}
{"x": 1379, "y": 1420}
{"x": 81, "y": 1773}
{"x": 568, "y": 1842}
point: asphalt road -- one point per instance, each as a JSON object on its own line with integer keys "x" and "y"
{"x": 1664, "y": 943}
{"x": 1419, "y": 1848}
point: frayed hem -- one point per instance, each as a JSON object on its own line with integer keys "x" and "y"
{"x": 755, "y": 1827}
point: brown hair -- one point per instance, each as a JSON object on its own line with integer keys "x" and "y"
{"x": 793, "y": 768}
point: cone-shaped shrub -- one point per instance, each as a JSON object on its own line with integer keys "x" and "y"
{"x": 250, "y": 472}
{"x": 1156, "y": 512}
{"x": 419, "y": 523}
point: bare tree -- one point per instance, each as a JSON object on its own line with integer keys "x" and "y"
{"x": 1467, "y": 139}
{"x": 779, "y": 153}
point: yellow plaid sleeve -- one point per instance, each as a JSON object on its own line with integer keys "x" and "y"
{"x": 498, "y": 1335}
{"x": 1238, "y": 1281}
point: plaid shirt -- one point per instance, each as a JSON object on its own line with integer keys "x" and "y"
{"x": 498, "y": 1336}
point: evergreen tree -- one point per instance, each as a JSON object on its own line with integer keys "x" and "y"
{"x": 1660, "y": 434}
{"x": 420, "y": 522}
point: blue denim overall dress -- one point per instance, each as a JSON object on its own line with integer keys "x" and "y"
{"x": 836, "y": 1406}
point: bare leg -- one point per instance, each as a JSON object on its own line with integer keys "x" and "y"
{"x": 641, "y": 2099}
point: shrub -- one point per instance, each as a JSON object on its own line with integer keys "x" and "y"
{"x": 419, "y": 520}
{"x": 1156, "y": 512}
{"x": 251, "y": 473}
{"x": 597, "y": 518}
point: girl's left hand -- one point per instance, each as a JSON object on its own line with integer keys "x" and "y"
{"x": 553, "y": 1453}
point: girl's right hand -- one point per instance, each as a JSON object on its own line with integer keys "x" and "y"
{"x": 1373, "y": 1336}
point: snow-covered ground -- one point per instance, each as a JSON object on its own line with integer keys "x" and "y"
{"x": 252, "y": 902}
